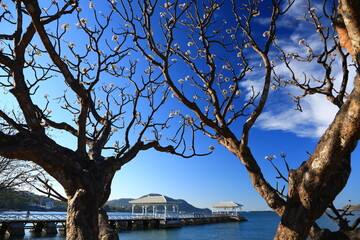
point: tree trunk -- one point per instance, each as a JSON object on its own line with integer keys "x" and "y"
{"x": 106, "y": 232}
{"x": 82, "y": 216}
{"x": 316, "y": 183}
{"x": 88, "y": 192}
{"x": 299, "y": 216}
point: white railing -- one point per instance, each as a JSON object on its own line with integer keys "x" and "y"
{"x": 8, "y": 217}
{"x": 61, "y": 217}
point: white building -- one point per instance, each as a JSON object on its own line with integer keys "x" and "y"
{"x": 227, "y": 208}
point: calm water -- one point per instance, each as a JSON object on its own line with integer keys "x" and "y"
{"x": 260, "y": 226}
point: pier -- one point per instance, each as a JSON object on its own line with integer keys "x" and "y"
{"x": 14, "y": 224}
{"x": 157, "y": 211}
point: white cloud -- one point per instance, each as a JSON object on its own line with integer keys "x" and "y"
{"x": 280, "y": 113}
{"x": 316, "y": 116}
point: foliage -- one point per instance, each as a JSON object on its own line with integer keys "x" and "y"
{"x": 21, "y": 200}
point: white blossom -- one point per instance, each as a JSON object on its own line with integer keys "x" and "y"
{"x": 256, "y": 13}
{"x": 65, "y": 26}
{"x": 83, "y": 21}
{"x": 302, "y": 41}
{"x": 115, "y": 38}
{"x": 167, "y": 5}
{"x": 91, "y": 5}
{"x": 211, "y": 147}
{"x": 182, "y": 6}
{"x": 270, "y": 158}
{"x": 266, "y": 33}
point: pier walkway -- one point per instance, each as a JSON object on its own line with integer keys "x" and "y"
{"x": 15, "y": 223}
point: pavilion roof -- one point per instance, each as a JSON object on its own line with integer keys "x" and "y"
{"x": 158, "y": 199}
{"x": 226, "y": 205}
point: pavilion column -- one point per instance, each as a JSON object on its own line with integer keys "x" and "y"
{"x": 154, "y": 211}
{"x": 132, "y": 209}
{"x": 165, "y": 212}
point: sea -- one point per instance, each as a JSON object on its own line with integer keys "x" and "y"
{"x": 260, "y": 226}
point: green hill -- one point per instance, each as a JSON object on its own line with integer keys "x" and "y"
{"x": 24, "y": 201}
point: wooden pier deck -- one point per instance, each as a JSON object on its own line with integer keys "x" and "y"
{"x": 15, "y": 223}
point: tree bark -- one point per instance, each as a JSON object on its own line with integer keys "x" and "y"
{"x": 86, "y": 220}
{"x": 106, "y": 232}
{"x": 316, "y": 183}
{"x": 82, "y": 216}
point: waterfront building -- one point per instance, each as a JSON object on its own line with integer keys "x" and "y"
{"x": 227, "y": 208}
{"x": 161, "y": 206}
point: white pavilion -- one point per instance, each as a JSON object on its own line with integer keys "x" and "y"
{"x": 227, "y": 208}
{"x": 170, "y": 207}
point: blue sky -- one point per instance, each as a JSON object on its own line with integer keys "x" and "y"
{"x": 203, "y": 181}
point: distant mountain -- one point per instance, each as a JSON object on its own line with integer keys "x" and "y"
{"x": 352, "y": 207}
{"x": 184, "y": 206}
{"x": 122, "y": 202}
